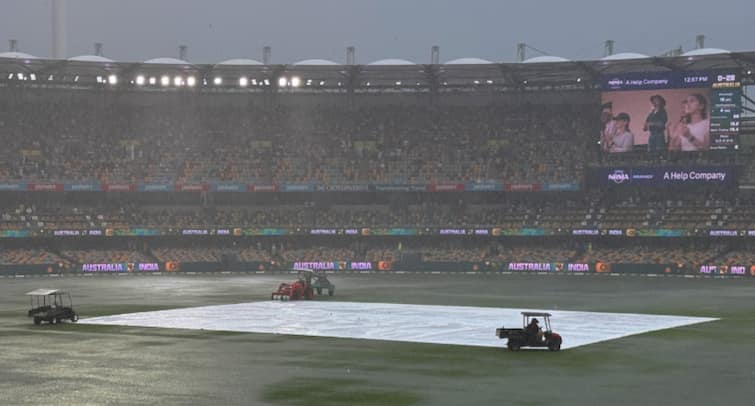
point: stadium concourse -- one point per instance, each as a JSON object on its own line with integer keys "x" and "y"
{"x": 455, "y": 172}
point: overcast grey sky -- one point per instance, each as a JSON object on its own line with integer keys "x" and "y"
{"x": 215, "y": 30}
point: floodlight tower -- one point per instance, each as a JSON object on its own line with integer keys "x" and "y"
{"x": 13, "y": 45}
{"x": 59, "y": 29}
{"x": 608, "y": 48}
{"x": 435, "y": 55}
{"x": 266, "y": 51}
{"x": 520, "y": 52}
{"x": 350, "y": 56}
{"x": 98, "y": 48}
{"x": 700, "y": 41}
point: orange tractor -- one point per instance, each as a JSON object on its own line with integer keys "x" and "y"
{"x": 299, "y": 289}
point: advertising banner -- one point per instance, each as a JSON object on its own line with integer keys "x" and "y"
{"x": 662, "y": 176}
{"x": 82, "y": 187}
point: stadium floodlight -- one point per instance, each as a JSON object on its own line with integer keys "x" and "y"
{"x": 490, "y": 82}
{"x": 254, "y": 82}
{"x": 477, "y": 82}
{"x": 178, "y": 81}
{"x": 191, "y": 81}
{"x": 322, "y": 83}
{"x": 140, "y": 80}
{"x": 579, "y": 80}
{"x": 152, "y": 80}
{"x": 76, "y": 78}
{"x": 112, "y": 79}
{"x": 368, "y": 83}
{"x": 749, "y": 72}
{"x": 267, "y": 82}
{"x": 282, "y": 82}
{"x": 50, "y": 78}
{"x": 33, "y": 76}
{"x": 99, "y": 79}
{"x": 339, "y": 84}
{"x": 295, "y": 81}
{"x": 164, "y": 80}
{"x": 217, "y": 81}
{"x": 10, "y": 76}
{"x": 243, "y": 82}
{"x": 398, "y": 83}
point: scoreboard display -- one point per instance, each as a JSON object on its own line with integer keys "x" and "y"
{"x": 674, "y": 111}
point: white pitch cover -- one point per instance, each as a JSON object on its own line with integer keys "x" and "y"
{"x": 456, "y": 325}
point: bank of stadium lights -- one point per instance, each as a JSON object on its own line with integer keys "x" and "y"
{"x": 579, "y": 80}
{"x": 282, "y": 82}
{"x": 243, "y": 82}
{"x": 152, "y": 80}
{"x": 112, "y": 79}
{"x": 217, "y": 81}
{"x": 178, "y": 81}
{"x": 165, "y": 80}
{"x": 295, "y": 81}
{"x": 191, "y": 81}
{"x": 140, "y": 80}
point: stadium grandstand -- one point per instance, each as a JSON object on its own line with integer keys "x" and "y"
{"x": 470, "y": 165}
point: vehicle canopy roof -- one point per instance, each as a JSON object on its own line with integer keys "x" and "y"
{"x": 536, "y": 314}
{"x": 45, "y": 292}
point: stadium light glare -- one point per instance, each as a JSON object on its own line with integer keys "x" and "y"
{"x": 477, "y": 82}
{"x": 191, "y": 81}
{"x": 243, "y": 82}
{"x": 50, "y": 78}
{"x": 490, "y": 82}
{"x": 178, "y": 81}
{"x": 295, "y": 81}
{"x": 10, "y": 76}
{"x": 152, "y": 80}
{"x": 398, "y": 83}
{"x": 98, "y": 79}
{"x": 322, "y": 83}
{"x": 282, "y": 82}
{"x": 368, "y": 83}
{"x": 267, "y": 82}
{"x": 112, "y": 79}
{"x": 32, "y": 76}
{"x": 579, "y": 80}
{"x": 339, "y": 84}
{"x": 254, "y": 82}
{"x": 76, "y": 78}
{"x": 140, "y": 80}
{"x": 165, "y": 80}
{"x": 749, "y": 72}
{"x": 217, "y": 81}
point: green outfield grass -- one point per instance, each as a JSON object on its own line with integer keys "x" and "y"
{"x": 87, "y": 364}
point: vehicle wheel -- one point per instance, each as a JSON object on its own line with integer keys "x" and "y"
{"x": 37, "y": 321}
{"x": 75, "y": 318}
{"x": 514, "y": 346}
{"x": 319, "y": 291}
{"x": 53, "y": 321}
{"x": 331, "y": 292}
{"x": 554, "y": 346}
{"x": 58, "y": 320}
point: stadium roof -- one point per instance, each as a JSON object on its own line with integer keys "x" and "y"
{"x": 468, "y": 61}
{"x": 624, "y": 55}
{"x": 389, "y": 74}
{"x": 240, "y": 62}
{"x": 316, "y": 62}
{"x": 545, "y": 59}
{"x": 391, "y": 61}
{"x": 167, "y": 61}
{"x": 90, "y": 58}
{"x": 706, "y": 51}
{"x": 16, "y": 55}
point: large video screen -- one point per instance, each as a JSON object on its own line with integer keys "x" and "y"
{"x": 670, "y": 111}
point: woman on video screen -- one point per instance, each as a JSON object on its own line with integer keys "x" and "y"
{"x": 622, "y": 139}
{"x": 692, "y": 132}
{"x": 656, "y": 124}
